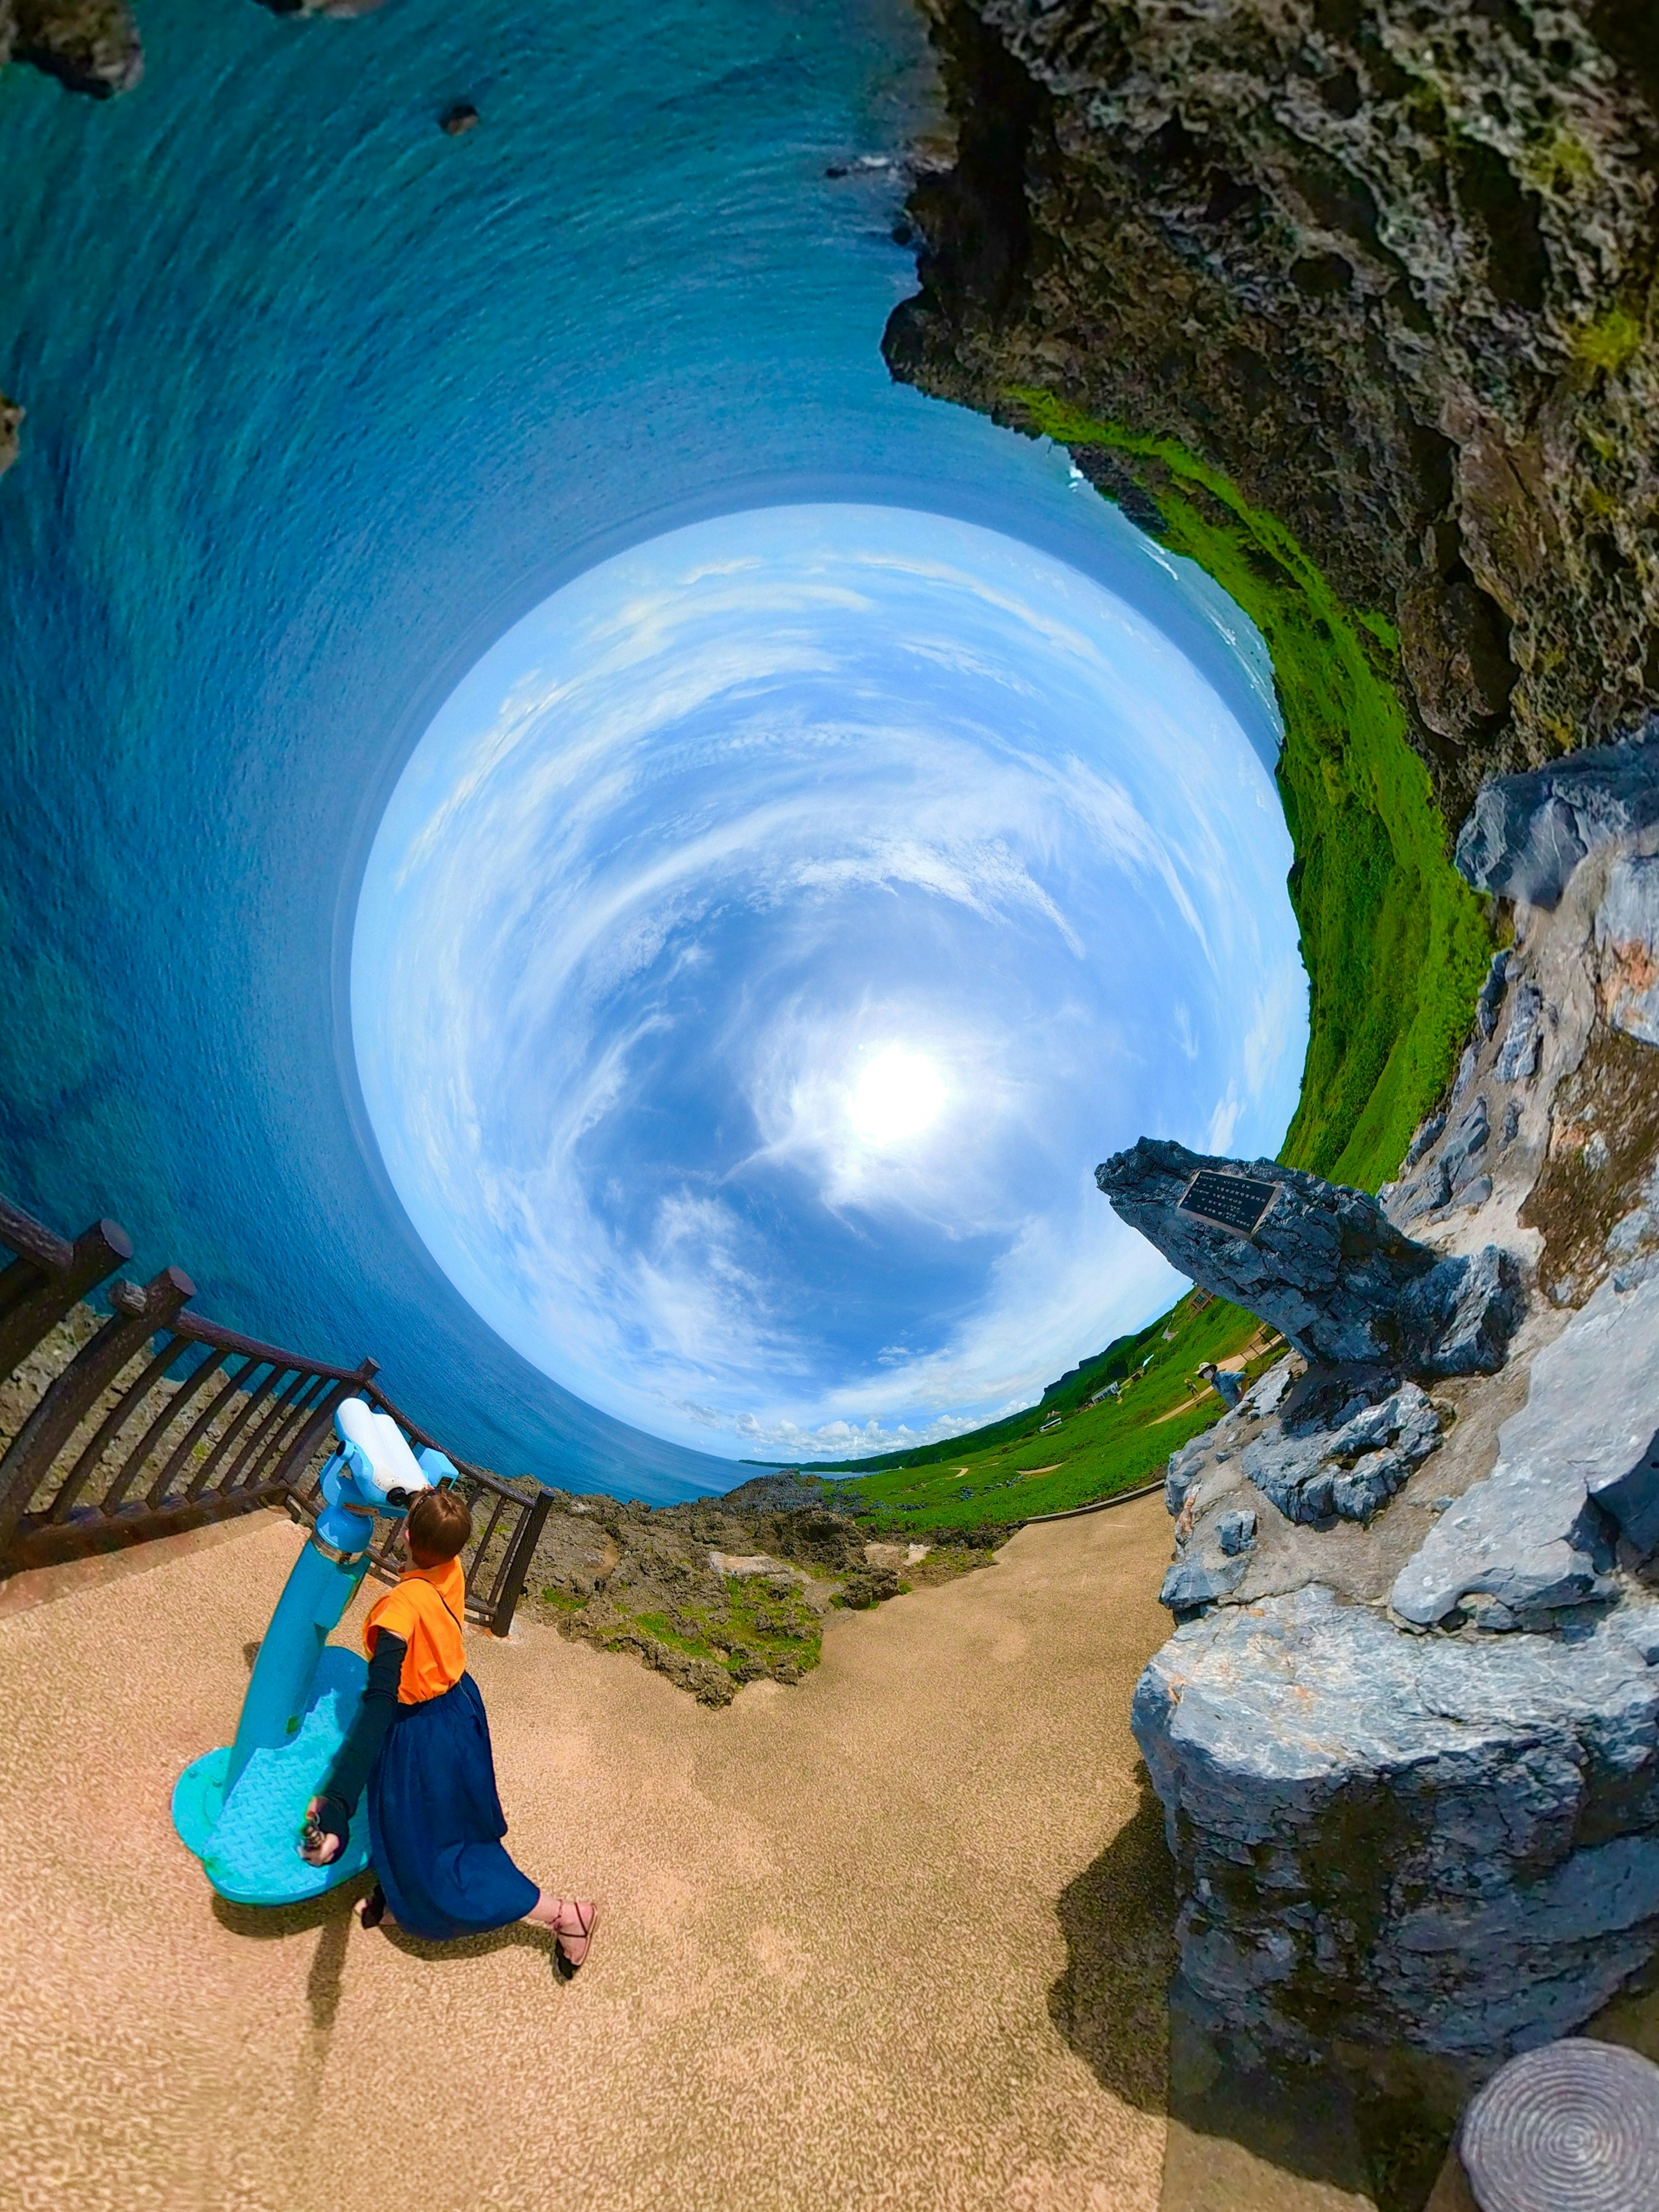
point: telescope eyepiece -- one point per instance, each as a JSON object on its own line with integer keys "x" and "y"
{"x": 397, "y": 1497}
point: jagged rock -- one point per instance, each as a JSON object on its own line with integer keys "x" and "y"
{"x": 90, "y": 46}
{"x": 1490, "y": 1000}
{"x": 1527, "y": 833}
{"x": 1463, "y": 1312}
{"x": 1181, "y": 1474}
{"x": 1192, "y": 1583}
{"x": 1523, "y": 1040}
{"x": 1464, "y": 1148}
{"x": 11, "y": 416}
{"x": 1346, "y": 1472}
{"x": 1235, "y": 1532}
{"x": 1628, "y": 947}
{"x": 1415, "y": 1843}
{"x": 1324, "y": 1265}
{"x": 1428, "y": 1134}
{"x": 1265, "y": 1396}
{"x": 1538, "y": 1532}
{"x": 868, "y": 1586}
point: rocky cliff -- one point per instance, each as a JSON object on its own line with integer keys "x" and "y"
{"x": 1407, "y": 1733}
{"x": 1386, "y": 269}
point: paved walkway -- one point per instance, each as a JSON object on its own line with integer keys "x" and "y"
{"x": 834, "y": 1973}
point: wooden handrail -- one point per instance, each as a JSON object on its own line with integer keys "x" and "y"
{"x": 226, "y": 1340}
{"x": 134, "y": 1438}
{"x": 48, "y": 1277}
{"x": 21, "y": 1233}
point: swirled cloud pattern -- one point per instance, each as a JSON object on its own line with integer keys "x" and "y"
{"x": 770, "y": 935}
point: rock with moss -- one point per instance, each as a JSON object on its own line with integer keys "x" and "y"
{"x": 709, "y": 1597}
{"x": 1386, "y": 267}
{"x": 89, "y": 46}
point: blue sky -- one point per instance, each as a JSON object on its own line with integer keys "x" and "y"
{"x": 766, "y": 940}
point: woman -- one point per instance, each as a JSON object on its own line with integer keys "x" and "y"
{"x": 422, "y": 1744}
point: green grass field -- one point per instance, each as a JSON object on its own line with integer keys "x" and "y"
{"x": 1010, "y": 1470}
{"x": 1395, "y": 943}
{"x": 1393, "y": 940}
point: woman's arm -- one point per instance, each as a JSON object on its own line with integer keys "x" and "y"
{"x": 333, "y": 1807}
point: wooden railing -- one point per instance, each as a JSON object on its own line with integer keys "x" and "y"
{"x": 162, "y": 1421}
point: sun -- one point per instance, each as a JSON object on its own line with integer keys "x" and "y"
{"x": 898, "y": 1095}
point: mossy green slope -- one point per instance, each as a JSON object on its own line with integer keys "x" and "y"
{"x": 1394, "y": 941}
{"x": 1011, "y": 1470}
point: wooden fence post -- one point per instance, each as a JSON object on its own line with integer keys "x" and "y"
{"x": 510, "y": 1588}
{"x": 48, "y": 1277}
{"x": 138, "y": 1315}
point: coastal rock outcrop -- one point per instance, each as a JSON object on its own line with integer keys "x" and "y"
{"x": 1525, "y": 834}
{"x": 89, "y": 46}
{"x": 1322, "y": 1263}
{"x": 1408, "y": 1760}
{"x": 1384, "y": 267}
{"x": 1442, "y": 1846}
{"x": 1346, "y": 1472}
{"x": 1577, "y": 1472}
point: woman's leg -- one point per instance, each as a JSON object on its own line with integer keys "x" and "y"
{"x": 572, "y": 1920}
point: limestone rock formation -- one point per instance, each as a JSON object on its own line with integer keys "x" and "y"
{"x": 1627, "y": 946}
{"x": 1386, "y": 266}
{"x": 1526, "y": 834}
{"x": 1408, "y": 1761}
{"x": 1323, "y": 1264}
{"x": 90, "y": 46}
{"x": 1577, "y": 1468}
{"x": 1347, "y": 1472}
{"x": 1356, "y": 1867}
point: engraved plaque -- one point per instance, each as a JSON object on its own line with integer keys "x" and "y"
{"x": 1231, "y": 1201}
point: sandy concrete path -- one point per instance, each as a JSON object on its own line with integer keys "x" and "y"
{"x": 833, "y": 1973}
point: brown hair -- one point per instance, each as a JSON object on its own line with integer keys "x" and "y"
{"x": 440, "y": 1523}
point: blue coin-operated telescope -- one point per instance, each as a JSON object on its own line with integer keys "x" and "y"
{"x": 241, "y": 1808}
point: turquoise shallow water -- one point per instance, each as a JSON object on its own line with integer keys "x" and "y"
{"x": 319, "y": 401}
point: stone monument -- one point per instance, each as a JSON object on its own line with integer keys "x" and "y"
{"x": 1322, "y": 1263}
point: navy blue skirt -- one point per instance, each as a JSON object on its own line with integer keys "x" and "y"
{"x": 435, "y": 1822}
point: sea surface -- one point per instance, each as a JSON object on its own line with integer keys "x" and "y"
{"x": 320, "y": 402}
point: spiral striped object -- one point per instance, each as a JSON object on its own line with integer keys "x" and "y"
{"x": 1572, "y": 2128}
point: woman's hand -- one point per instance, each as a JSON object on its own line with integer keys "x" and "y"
{"x": 318, "y": 1847}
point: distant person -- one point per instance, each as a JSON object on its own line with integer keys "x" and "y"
{"x": 1229, "y": 1388}
{"x": 420, "y": 1742}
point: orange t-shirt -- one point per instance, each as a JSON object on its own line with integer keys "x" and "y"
{"x": 426, "y": 1608}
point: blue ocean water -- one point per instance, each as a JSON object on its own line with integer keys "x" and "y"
{"x": 321, "y": 401}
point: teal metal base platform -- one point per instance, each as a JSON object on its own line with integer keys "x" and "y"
{"x": 248, "y": 1842}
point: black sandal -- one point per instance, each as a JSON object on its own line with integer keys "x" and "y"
{"x": 569, "y": 1967}
{"x": 372, "y": 1911}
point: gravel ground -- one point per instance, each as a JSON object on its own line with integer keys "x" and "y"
{"x": 834, "y": 1966}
